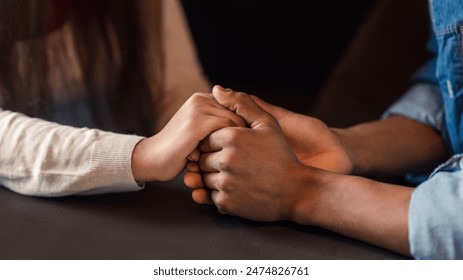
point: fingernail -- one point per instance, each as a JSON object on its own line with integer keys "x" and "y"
{"x": 219, "y": 87}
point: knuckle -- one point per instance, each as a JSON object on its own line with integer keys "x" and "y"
{"x": 221, "y": 203}
{"x": 197, "y": 98}
{"x": 224, "y": 163}
{"x": 225, "y": 184}
{"x": 226, "y": 122}
{"x": 234, "y": 121}
{"x": 232, "y": 135}
{"x": 267, "y": 118}
{"x": 241, "y": 97}
{"x": 237, "y": 120}
{"x": 207, "y": 180}
{"x": 229, "y": 157}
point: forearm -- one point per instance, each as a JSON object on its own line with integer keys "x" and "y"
{"x": 183, "y": 74}
{"x": 363, "y": 209}
{"x": 392, "y": 147}
{"x": 47, "y": 159}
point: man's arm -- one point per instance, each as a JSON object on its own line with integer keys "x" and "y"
{"x": 388, "y": 147}
{"x": 407, "y": 140}
{"x": 253, "y": 173}
{"x": 392, "y": 147}
{"x": 374, "y": 212}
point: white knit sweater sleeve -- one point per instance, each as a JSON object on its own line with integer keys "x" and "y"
{"x": 42, "y": 158}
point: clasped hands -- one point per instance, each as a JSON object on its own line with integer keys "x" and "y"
{"x": 248, "y": 170}
{"x": 247, "y": 154}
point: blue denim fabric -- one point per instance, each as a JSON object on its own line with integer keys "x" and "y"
{"x": 422, "y": 103}
{"x": 436, "y": 207}
{"x": 447, "y": 19}
{"x": 435, "y": 217}
{"x": 427, "y": 73}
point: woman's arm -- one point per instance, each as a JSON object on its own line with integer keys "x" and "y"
{"x": 42, "y": 158}
{"x": 183, "y": 74}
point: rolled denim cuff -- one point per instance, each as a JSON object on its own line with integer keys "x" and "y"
{"x": 421, "y": 103}
{"x": 435, "y": 217}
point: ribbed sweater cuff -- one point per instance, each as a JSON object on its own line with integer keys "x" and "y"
{"x": 111, "y": 161}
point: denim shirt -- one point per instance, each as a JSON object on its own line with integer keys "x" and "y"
{"x": 436, "y": 207}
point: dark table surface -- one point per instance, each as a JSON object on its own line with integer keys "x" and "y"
{"x": 159, "y": 222}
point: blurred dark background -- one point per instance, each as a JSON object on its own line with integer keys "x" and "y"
{"x": 297, "y": 53}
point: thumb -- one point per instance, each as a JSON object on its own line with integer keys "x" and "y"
{"x": 273, "y": 110}
{"x": 244, "y": 106}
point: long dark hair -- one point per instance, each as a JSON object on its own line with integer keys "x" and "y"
{"x": 110, "y": 46}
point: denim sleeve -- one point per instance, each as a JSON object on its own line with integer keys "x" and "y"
{"x": 436, "y": 214}
{"x": 421, "y": 103}
{"x": 427, "y": 73}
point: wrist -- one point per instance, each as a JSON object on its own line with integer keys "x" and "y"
{"x": 153, "y": 159}
{"x": 316, "y": 196}
{"x": 345, "y": 139}
{"x": 299, "y": 202}
{"x": 138, "y": 162}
